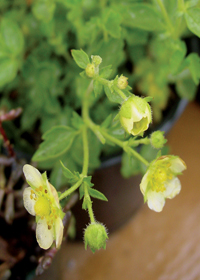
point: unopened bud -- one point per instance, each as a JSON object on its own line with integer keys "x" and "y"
{"x": 157, "y": 139}
{"x": 95, "y": 236}
{"x": 96, "y": 59}
{"x": 122, "y": 82}
{"x": 135, "y": 115}
{"x": 90, "y": 70}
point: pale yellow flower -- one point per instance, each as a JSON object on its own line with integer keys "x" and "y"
{"x": 41, "y": 200}
{"x": 135, "y": 115}
{"x": 161, "y": 182}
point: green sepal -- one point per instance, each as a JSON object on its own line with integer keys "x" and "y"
{"x": 72, "y": 178}
{"x": 37, "y": 219}
{"x": 44, "y": 176}
{"x": 84, "y": 75}
{"x": 112, "y": 95}
{"x": 97, "y": 194}
{"x": 81, "y": 191}
{"x": 86, "y": 202}
{"x": 81, "y": 58}
{"x": 87, "y": 181}
{"x": 148, "y": 99}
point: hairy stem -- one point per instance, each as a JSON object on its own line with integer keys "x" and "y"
{"x": 71, "y": 190}
{"x": 89, "y": 204}
{"x": 123, "y": 145}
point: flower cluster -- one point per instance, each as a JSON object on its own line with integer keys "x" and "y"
{"x": 41, "y": 200}
{"x": 161, "y": 182}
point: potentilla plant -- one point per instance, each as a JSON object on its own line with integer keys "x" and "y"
{"x": 104, "y": 110}
{"x": 159, "y": 182}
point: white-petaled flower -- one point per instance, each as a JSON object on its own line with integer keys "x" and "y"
{"x": 135, "y": 115}
{"x": 41, "y": 200}
{"x": 161, "y": 182}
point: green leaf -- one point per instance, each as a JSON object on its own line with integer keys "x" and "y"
{"x": 97, "y": 194}
{"x": 186, "y": 88}
{"x": 43, "y": 9}
{"x": 107, "y": 122}
{"x": 105, "y": 72}
{"x": 76, "y": 121}
{"x": 142, "y": 16}
{"x": 194, "y": 66}
{"x": 192, "y": 17}
{"x": 87, "y": 181}
{"x": 72, "y": 178}
{"x": 130, "y": 166}
{"x": 112, "y": 51}
{"x": 179, "y": 51}
{"x": 8, "y": 71}
{"x": 94, "y": 150}
{"x": 81, "y": 191}
{"x": 12, "y": 36}
{"x": 81, "y": 58}
{"x": 56, "y": 142}
{"x": 57, "y": 178}
{"x": 97, "y": 87}
{"x": 112, "y": 22}
{"x": 86, "y": 203}
{"x": 135, "y": 36}
{"x": 112, "y": 95}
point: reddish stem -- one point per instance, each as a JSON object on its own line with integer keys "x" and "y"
{"x": 6, "y": 141}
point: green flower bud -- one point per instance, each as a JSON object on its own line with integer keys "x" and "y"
{"x": 95, "y": 236}
{"x": 157, "y": 139}
{"x": 122, "y": 82}
{"x": 135, "y": 115}
{"x": 90, "y": 70}
{"x": 96, "y": 59}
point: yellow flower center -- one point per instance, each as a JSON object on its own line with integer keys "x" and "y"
{"x": 160, "y": 176}
{"x": 42, "y": 207}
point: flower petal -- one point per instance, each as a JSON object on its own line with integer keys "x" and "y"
{"x": 155, "y": 201}
{"x": 28, "y": 202}
{"x": 177, "y": 165}
{"x": 173, "y": 188}
{"x": 144, "y": 183}
{"x": 33, "y": 176}
{"x": 58, "y": 231}
{"x": 54, "y": 193}
{"x": 44, "y": 235}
